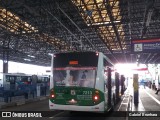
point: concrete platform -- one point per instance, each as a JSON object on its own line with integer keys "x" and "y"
{"x": 125, "y": 103}
{"x": 21, "y": 102}
{"x": 148, "y": 100}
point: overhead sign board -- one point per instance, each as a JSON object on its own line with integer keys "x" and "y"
{"x": 146, "y": 46}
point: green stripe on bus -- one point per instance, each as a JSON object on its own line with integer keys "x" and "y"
{"x": 79, "y": 96}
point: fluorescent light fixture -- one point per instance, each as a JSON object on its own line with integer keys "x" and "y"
{"x": 27, "y": 59}
{"x": 117, "y": 21}
{"x": 118, "y": 30}
{"x": 103, "y": 23}
{"x": 31, "y": 56}
{"x": 100, "y": 23}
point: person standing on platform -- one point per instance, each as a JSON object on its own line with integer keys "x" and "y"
{"x": 158, "y": 88}
{"x": 144, "y": 84}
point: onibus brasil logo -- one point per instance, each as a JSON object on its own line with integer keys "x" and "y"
{"x": 17, "y": 114}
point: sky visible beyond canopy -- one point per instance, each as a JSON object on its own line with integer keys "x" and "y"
{"x": 14, "y": 67}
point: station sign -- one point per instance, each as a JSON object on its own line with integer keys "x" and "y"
{"x": 146, "y": 45}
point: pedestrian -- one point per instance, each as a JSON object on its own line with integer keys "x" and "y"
{"x": 83, "y": 78}
{"x": 144, "y": 84}
{"x": 158, "y": 88}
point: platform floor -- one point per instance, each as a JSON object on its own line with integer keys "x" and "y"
{"x": 148, "y": 100}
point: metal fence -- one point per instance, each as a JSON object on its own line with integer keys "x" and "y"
{"x": 9, "y": 92}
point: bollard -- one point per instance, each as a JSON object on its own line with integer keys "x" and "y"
{"x": 135, "y": 89}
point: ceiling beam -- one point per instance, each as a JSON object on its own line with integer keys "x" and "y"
{"x": 109, "y": 11}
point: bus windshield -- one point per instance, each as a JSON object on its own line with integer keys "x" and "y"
{"x": 75, "y": 69}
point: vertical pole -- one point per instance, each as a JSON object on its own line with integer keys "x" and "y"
{"x": 117, "y": 86}
{"x": 5, "y": 70}
{"x": 109, "y": 86}
{"x": 5, "y": 61}
{"x": 135, "y": 89}
{"x": 6, "y": 53}
{"x": 122, "y": 84}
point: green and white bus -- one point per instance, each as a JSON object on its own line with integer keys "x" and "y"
{"x": 81, "y": 81}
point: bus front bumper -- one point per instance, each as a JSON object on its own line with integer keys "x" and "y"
{"x": 97, "y": 108}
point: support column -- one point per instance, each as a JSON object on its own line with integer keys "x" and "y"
{"x": 109, "y": 87}
{"x": 5, "y": 66}
{"x": 5, "y": 61}
{"x": 122, "y": 84}
{"x": 135, "y": 89}
{"x": 6, "y": 53}
{"x": 117, "y": 86}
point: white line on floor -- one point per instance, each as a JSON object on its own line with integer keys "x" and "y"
{"x": 153, "y": 97}
{"x": 123, "y": 100}
{"x": 56, "y": 115}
